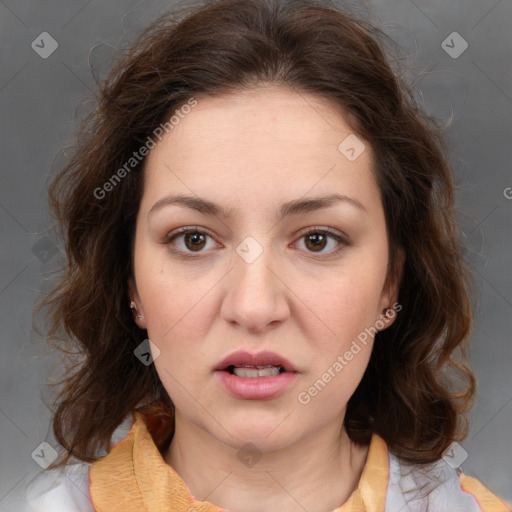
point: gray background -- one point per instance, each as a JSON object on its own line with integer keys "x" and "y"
{"x": 41, "y": 98}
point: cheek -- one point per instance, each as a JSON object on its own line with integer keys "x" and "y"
{"x": 178, "y": 322}
{"x": 340, "y": 358}
{"x": 349, "y": 306}
{"x": 177, "y": 302}
{"x": 348, "y": 303}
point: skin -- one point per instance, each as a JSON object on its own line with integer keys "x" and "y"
{"x": 249, "y": 152}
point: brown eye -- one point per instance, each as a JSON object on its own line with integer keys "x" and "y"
{"x": 316, "y": 241}
{"x": 195, "y": 241}
{"x": 322, "y": 241}
{"x": 188, "y": 240}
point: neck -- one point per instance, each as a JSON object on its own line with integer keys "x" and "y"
{"x": 317, "y": 473}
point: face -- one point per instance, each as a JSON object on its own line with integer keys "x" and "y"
{"x": 284, "y": 258}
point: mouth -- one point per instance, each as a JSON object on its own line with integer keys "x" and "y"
{"x": 253, "y": 372}
{"x": 250, "y": 366}
{"x": 260, "y": 376}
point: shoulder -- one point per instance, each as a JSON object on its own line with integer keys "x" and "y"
{"x": 65, "y": 490}
{"x": 437, "y": 486}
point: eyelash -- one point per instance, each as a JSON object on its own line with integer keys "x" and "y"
{"x": 194, "y": 229}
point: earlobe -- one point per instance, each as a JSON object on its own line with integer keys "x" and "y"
{"x": 396, "y": 277}
{"x": 135, "y": 305}
{"x": 390, "y": 303}
{"x": 388, "y": 315}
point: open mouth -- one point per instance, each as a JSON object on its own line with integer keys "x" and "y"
{"x": 252, "y": 372}
{"x": 261, "y": 376}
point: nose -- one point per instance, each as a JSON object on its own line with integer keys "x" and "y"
{"x": 257, "y": 297}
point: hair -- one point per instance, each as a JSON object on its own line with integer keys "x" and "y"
{"x": 414, "y": 392}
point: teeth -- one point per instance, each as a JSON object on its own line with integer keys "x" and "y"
{"x": 257, "y": 371}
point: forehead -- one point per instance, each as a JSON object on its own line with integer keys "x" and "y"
{"x": 265, "y": 141}
{"x": 277, "y": 116}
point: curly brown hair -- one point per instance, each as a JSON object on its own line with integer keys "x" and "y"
{"x": 406, "y": 395}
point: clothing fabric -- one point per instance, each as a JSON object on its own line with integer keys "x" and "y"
{"x": 134, "y": 477}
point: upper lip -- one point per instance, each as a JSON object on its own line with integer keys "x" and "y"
{"x": 266, "y": 358}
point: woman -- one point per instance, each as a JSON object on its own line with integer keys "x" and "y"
{"x": 263, "y": 275}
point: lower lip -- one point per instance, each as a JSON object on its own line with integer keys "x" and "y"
{"x": 258, "y": 388}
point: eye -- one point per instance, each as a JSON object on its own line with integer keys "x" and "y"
{"x": 317, "y": 239}
{"x": 190, "y": 239}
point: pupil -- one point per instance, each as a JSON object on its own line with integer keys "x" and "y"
{"x": 318, "y": 241}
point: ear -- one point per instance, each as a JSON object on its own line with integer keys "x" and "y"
{"x": 389, "y": 299}
{"x": 138, "y": 311}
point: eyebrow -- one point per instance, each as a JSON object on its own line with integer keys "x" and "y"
{"x": 295, "y": 207}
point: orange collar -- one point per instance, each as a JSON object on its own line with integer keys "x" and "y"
{"x": 135, "y": 477}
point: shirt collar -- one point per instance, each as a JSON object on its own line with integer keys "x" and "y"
{"x": 134, "y": 476}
